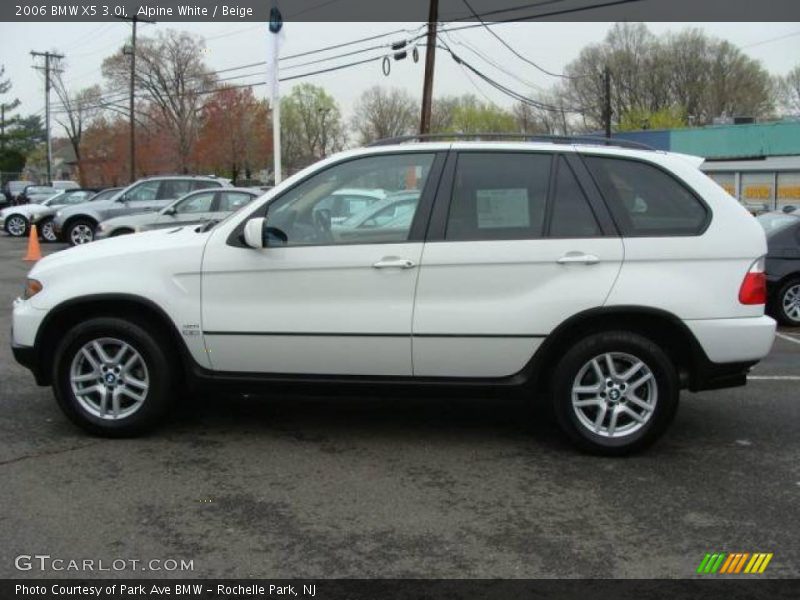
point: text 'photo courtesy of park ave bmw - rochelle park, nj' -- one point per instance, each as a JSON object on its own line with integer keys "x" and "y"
{"x": 363, "y": 300}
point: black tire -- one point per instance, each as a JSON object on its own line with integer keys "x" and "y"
{"x": 622, "y": 344}
{"x": 779, "y": 307}
{"x": 47, "y": 231}
{"x": 160, "y": 371}
{"x": 22, "y": 227}
{"x": 120, "y": 232}
{"x": 77, "y": 225}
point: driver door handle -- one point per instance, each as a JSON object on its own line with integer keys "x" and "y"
{"x": 578, "y": 257}
{"x": 393, "y": 262}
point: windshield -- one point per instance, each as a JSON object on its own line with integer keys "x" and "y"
{"x": 52, "y": 199}
{"x": 773, "y": 222}
{"x": 105, "y": 194}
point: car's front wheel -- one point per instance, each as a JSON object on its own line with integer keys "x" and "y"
{"x": 17, "y": 225}
{"x": 80, "y": 232}
{"x": 787, "y": 303}
{"x": 113, "y": 377}
{"x": 615, "y": 392}
{"x": 47, "y": 230}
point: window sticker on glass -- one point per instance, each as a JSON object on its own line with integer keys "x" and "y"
{"x": 503, "y": 208}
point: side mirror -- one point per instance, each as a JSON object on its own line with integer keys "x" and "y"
{"x": 170, "y": 211}
{"x": 123, "y": 199}
{"x": 254, "y": 233}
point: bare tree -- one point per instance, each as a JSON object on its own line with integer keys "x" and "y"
{"x": 75, "y": 113}
{"x": 170, "y": 75}
{"x": 789, "y": 91}
{"x": 687, "y": 72}
{"x": 383, "y": 113}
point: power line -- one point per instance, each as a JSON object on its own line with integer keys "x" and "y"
{"x": 552, "y": 13}
{"x": 509, "y": 47}
{"x": 508, "y": 91}
{"x": 775, "y": 39}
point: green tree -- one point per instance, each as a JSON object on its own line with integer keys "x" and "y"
{"x": 467, "y": 114}
{"x": 666, "y": 118}
{"x": 311, "y": 127}
{"x": 7, "y": 107}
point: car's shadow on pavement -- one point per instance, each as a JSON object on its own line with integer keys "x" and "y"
{"x": 316, "y": 417}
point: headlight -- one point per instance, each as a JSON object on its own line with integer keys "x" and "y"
{"x": 32, "y": 287}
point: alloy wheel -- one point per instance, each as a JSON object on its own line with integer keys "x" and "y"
{"x": 81, "y": 234}
{"x": 614, "y": 395}
{"x": 16, "y": 226}
{"x": 48, "y": 232}
{"x": 109, "y": 378}
{"x": 791, "y": 303}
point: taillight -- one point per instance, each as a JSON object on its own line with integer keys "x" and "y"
{"x": 754, "y": 286}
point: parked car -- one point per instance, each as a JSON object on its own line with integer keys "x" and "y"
{"x": 193, "y": 208}
{"x": 783, "y": 265}
{"x": 36, "y": 194}
{"x": 14, "y": 189}
{"x": 380, "y": 217}
{"x": 345, "y": 203}
{"x": 65, "y": 184}
{"x": 76, "y": 224}
{"x": 599, "y": 279}
{"x": 16, "y": 220}
{"x": 44, "y": 217}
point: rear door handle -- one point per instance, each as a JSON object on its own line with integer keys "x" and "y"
{"x": 578, "y": 257}
{"x": 393, "y": 262}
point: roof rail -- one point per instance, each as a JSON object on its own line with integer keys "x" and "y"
{"x": 522, "y": 137}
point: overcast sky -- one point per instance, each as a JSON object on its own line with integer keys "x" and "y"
{"x": 552, "y": 45}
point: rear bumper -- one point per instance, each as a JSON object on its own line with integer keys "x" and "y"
{"x": 734, "y": 340}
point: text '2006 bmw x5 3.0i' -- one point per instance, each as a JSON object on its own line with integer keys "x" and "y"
{"x": 603, "y": 279}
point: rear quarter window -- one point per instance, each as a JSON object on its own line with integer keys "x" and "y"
{"x": 645, "y": 200}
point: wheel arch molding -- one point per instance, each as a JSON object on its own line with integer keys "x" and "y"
{"x": 663, "y": 327}
{"x": 64, "y": 315}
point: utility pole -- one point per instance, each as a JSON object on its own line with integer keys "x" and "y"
{"x": 134, "y": 19}
{"x": 48, "y": 57}
{"x": 607, "y": 100}
{"x": 430, "y": 60}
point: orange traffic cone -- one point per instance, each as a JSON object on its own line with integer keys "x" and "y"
{"x": 34, "y": 252}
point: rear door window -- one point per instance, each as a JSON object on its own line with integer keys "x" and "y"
{"x": 498, "y": 196}
{"x": 645, "y": 200}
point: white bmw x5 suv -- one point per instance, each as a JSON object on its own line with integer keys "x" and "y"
{"x": 602, "y": 279}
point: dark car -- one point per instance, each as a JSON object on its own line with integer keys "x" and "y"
{"x": 783, "y": 265}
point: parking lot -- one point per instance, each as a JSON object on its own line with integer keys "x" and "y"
{"x": 400, "y": 487}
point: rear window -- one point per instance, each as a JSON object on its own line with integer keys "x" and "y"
{"x": 645, "y": 200}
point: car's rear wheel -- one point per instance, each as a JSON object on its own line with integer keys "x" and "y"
{"x": 615, "y": 392}
{"x": 787, "y": 303}
{"x": 113, "y": 377}
{"x": 17, "y": 226}
{"x": 80, "y": 232}
{"x": 47, "y": 230}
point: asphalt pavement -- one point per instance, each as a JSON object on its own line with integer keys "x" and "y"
{"x": 395, "y": 487}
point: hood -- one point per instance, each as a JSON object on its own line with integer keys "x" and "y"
{"x": 67, "y": 211}
{"x": 30, "y": 210}
{"x": 150, "y": 245}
